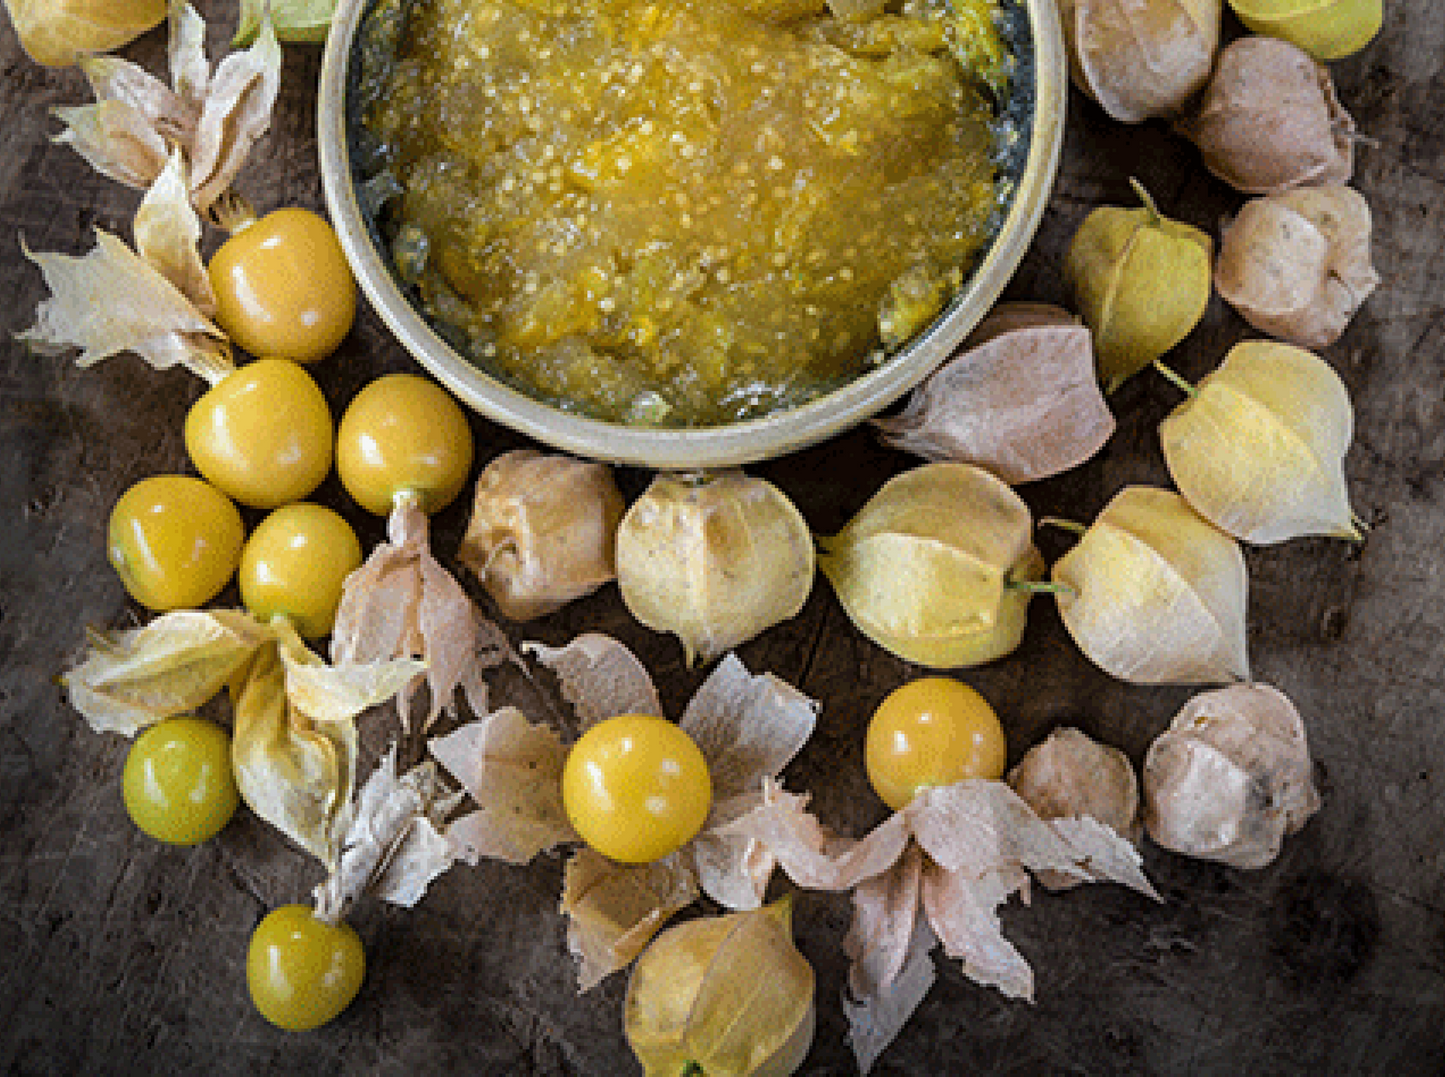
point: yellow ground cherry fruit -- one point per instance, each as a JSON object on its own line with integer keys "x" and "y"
{"x": 175, "y": 541}
{"x": 177, "y": 783}
{"x": 262, "y": 434}
{"x": 636, "y": 788}
{"x": 283, "y": 287}
{"x": 931, "y": 731}
{"x": 294, "y": 565}
{"x": 403, "y": 434}
{"x": 301, "y": 971}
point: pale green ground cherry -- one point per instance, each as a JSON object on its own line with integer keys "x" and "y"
{"x": 177, "y": 784}
{"x": 301, "y": 971}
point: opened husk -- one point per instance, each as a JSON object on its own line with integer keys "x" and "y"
{"x": 1231, "y": 777}
{"x": 1140, "y": 58}
{"x": 1153, "y": 593}
{"x": 1141, "y": 282}
{"x": 1296, "y": 265}
{"x": 1021, "y": 400}
{"x": 542, "y": 531}
{"x": 730, "y": 995}
{"x": 1271, "y": 121}
{"x": 926, "y": 568}
{"x": 1258, "y": 448}
{"x": 60, "y": 32}
{"x": 714, "y": 559}
{"x": 1326, "y": 29}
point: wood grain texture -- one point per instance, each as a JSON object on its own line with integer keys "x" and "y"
{"x": 126, "y": 957}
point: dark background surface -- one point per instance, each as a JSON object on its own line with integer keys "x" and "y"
{"x": 125, "y": 956}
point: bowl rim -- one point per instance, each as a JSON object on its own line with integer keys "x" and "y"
{"x": 748, "y": 441}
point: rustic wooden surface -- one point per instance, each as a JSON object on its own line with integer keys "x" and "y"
{"x": 125, "y": 956}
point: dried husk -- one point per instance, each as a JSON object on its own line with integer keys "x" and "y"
{"x": 542, "y": 531}
{"x": 1141, "y": 283}
{"x": 1258, "y": 448}
{"x": 926, "y": 567}
{"x": 1326, "y": 29}
{"x": 714, "y": 559}
{"x": 1153, "y": 593}
{"x": 60, "y": 32}
{"x": 1270, "y": 120}
{"x": 1140, "y": 58}
{"x": 727, "y": 994}
{"x": 1022, "y": 400}
{"x": 1231, "y": 778}
{"x": 1296, "y": 265}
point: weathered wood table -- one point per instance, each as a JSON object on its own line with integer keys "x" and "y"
{"x": 125, "y": 956}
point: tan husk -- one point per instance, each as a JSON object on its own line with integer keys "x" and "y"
{"x": 542, "y": 531}
{"x": 729, "y": 994}
{"x": 1258, "y": 448}
{"x": 1140, "y": 58}
{"x": 927, "y": 567}
{"x": 1270, "y": 120}
{"x": 1231, "y": 777}
{"x": 1296, "y": 265}
{"x": 1021, "y": 400}
{"x": 1155, "y": 594}
{"x": 60, "y": 32}
{"x": 1141, "y": 282}
{"x": 714, "y": 559}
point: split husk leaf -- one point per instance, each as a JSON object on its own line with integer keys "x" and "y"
{"x": 1021, "y": 400}
{"x": 1141, "y": 282}
{"x": 1270, "y": 120}
{"x": 1326, "y": 29}
{"x": 928, "y": 568}
{"x": 1258, "y": 448}
{"x": 57, "y": 33}
{"x": 714, "y": 559}
{"x": 1155, "y": 594}
{"x": 725, "y": 995}
{"x": 1140, "y": 58}
{"x": 1231, "y": 777}
{"x": 1296, "y": 265}
{"x": 542, "y": 532}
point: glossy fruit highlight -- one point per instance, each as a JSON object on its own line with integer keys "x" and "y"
{"x": 177, "y": 783}
{"x": 301, "y": 971}
{"x": 175, "y": 541}
{"x": 931, "y": 731}
{"x": 294, "y": 565}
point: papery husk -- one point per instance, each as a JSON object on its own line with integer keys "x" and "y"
{"x": 304, "y": 21}
{"x": 714, "y": 559}
{"x": 1270, "y": 120}
{"x": 1023, "y": 402}
{"x": 1155, "y": 594}
{"x": 1141, "y": 282}
{"x": 401, "y": 603}
{"x": 57, "y": 33}
{"x": 167, "y": 235}
{"x": 542, "y": 531}
{"x": 1140, "y": 58}
{"x": 1230, "y": 778}
{"x": 926, "y": 566}
{"x": 1296, "y": 265}
{"x": 1326, "y": 29}
{"x": 1258, "y": 448}
{"x": 729, "y": 994}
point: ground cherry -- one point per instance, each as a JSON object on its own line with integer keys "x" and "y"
{"x": 177, "y": 783}
{"x": 175, "y": 541}
{"x": 283, "y": 286}
{"x": 262, "y": 434}
{"x": 403, "y": 434}
{"x": 636, "y": 788}
{"x": 931, "y": 731}
{"x": 294, "y": 565}
{"x": 302, "y": 971}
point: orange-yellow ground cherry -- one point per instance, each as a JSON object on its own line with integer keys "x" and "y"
{"x": 175, "y": 541}
{"x": 403, "y": 434}
{"x": 636, "y": 788}
{"x": 294, "y": 565}
{"x": 283, "y": 287}
{"x": 931, "y": 731}
{"x": 177, "y": 783}
{"x": 301, "y": 971}
{"x": 262, "y": 434}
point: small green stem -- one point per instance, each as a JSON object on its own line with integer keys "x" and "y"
{"x": 1038, "y": 587}
{"x": 231, "y": 211}
{"x": 1361, "y": 525}
{"x": 1173, "y": 378}
{"x": 1064, "y": 525}
{"x": 1155, "y": 217}
{"x": 692, "y": 1070}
